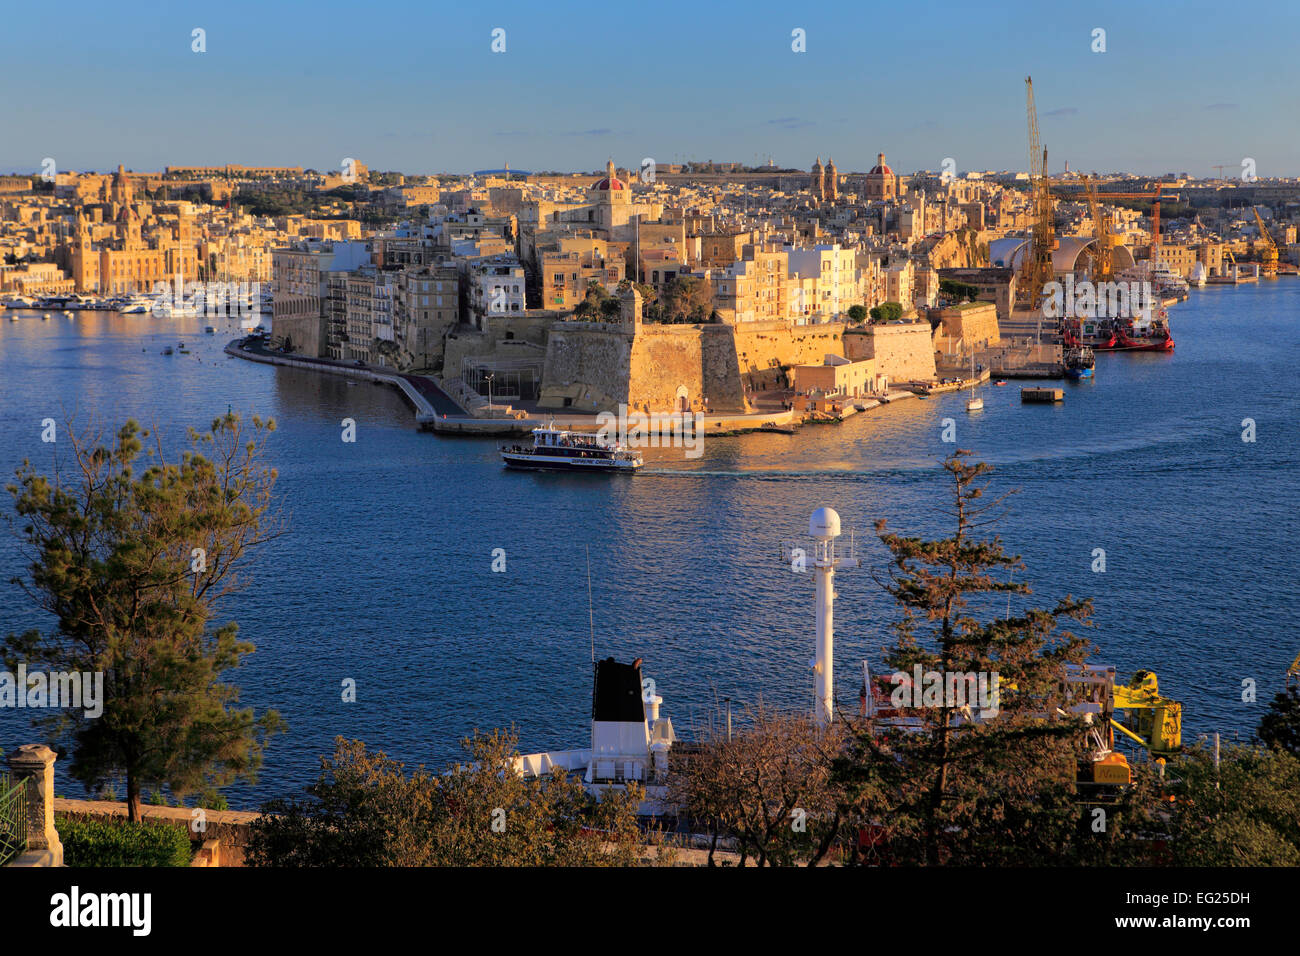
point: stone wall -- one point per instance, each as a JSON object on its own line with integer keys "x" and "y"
{"x": 972, "y": 325}
{"x": 306, "y": 332}
{"x": 903, "y": 351}
{"x": 231, "y": 827}
{"x": 763, "y": 348}
{"x": 588, "y": 366}
{"x": 597, "y": 366}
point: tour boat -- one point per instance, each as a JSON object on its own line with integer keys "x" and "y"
{"x": 557, "y": 450}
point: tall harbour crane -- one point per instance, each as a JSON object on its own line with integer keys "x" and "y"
{"x": 1155, "y": 196}
{"x": 1268, "y": 252}
{"x": 1036, "y": 264}
{"x": 1103, "y": 235}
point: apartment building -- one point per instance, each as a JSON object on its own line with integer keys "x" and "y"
{"x": 427, "y": 307}
{"x": 301, "y": 293}
{"x": 754, "y": 289}
{"x": 494, "y": 284}
{"x": 835, "y": 282}
{"x": 568, "y": 263}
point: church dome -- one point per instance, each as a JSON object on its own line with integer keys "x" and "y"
{"x": 607, "y": 184}
{"x": 880, "y": 169}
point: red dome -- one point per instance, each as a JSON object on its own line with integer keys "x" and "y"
{"x": 881, "y": 171}
{"x": 610, "y": 184}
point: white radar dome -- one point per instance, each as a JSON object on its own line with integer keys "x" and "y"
{"x": 825, "y": 523}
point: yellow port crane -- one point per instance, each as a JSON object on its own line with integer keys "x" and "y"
{"x": 1036, "y": 263}
{"x": 1103, "y": 235}
{"x": 1268, "y": 250}
{"x": 1153, "y": 721}
{"x": 1136, "y": 710}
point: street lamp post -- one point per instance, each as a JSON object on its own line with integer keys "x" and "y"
{"x": 489, "y": 378}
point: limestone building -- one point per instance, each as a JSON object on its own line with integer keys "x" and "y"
{"x": 881, "y": 183}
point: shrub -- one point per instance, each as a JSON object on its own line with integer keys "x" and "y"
{"x": 123, "y": 843}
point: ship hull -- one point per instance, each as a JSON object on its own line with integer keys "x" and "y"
{"x": 526, "y": 462}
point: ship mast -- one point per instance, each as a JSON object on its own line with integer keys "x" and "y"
{"x": 823, "y": 528}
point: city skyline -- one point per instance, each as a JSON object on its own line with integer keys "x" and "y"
{"x": 419, "y": 90}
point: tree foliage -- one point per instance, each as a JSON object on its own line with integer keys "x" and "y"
{"x": 1280, "y": 726}
{"x": 131, "y": 551}
{"x": 682, "y": 299}
{"x": 1245, "y": 812}
{"x": 886, "y": 312}
{"x": 366, "y": 810}
{"x": 768, "y": 790}
{"x": 953, "y": 788}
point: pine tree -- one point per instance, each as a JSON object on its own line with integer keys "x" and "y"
{"x": 958, "y": 786}
{"x": 131, "y": 551}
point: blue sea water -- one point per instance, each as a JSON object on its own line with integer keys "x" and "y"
{"x": 386, "y": 573}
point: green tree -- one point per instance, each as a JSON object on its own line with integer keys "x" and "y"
{"x": 887, "y": 312}
{"x": 957, "y": 789}
{"x": 131, "y": 551}
{"x": 1280, "y": 725}
{"x": 857, "y": 314}
{"x": 1244, "y": 812}
{"x": 366, "y": 810}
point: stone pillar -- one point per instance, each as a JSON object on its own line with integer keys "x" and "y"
{"x": 33, "y": 766}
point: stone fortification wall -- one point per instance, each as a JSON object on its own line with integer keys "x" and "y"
{"x": 597, "y": 366}
{"x": 763, "y": 348}
{"x": 903, "y": 352}
{"x": 588, "y": 366}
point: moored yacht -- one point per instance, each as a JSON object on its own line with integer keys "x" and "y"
{"x": 556, "y": 450}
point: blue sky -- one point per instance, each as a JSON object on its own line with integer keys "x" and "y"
{"x": 415, "y": 86}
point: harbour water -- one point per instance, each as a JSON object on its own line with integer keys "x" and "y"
{"x": 386, "y": 575}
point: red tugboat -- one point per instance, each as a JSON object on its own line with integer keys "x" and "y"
{"x": 1148, "y": 337}
{"x": 1096, "y": 334}
{"x": 1119, "y": 335}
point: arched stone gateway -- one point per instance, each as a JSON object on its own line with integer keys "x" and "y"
{"x": 683, "y": 401}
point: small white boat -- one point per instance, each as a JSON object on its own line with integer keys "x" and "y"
{"x": 976, "y": 402}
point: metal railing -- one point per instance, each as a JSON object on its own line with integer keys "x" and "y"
{"x": 13, "y": 819}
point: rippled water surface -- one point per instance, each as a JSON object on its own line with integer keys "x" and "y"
{"x": 386, "y": 575}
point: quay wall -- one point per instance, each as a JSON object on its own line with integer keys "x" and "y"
{"x": 424, "y": 412}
